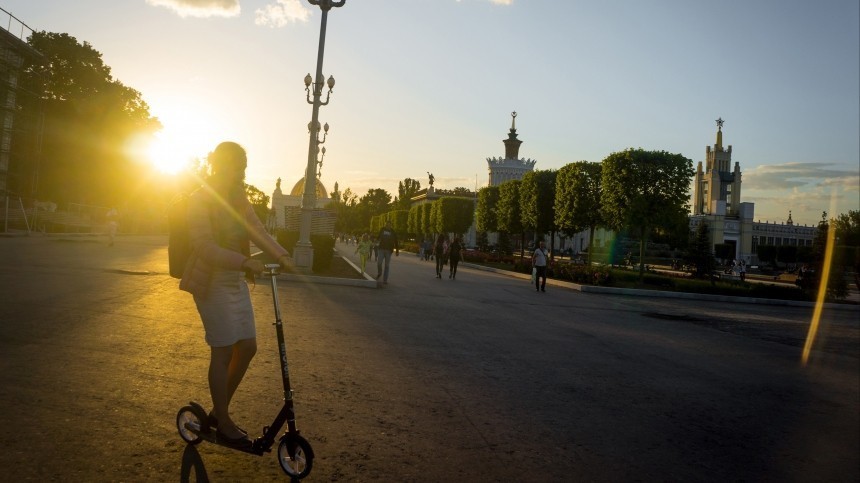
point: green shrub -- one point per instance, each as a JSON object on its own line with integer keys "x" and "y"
{"x": 323, "y": 252}
{"x": 658, "y": 280}
{"x": 323, "y": 248}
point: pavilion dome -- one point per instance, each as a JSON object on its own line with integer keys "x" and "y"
{"x": 299, "y": 189}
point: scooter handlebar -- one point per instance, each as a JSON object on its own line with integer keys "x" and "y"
{"x": 271, "y": 269}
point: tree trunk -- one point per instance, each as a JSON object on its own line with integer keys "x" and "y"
{"x": 641, "y": 252}
{"x": 590, "y": 243}
{"x": 522, "y": 244}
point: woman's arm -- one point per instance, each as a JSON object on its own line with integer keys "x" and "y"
{"x": 261, "y": 238}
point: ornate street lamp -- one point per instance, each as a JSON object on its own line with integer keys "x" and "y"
{"x": 304, "y": 253}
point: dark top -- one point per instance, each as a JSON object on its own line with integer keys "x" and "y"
{"x": 387, "y": 239}
{"x": 454, "y": 250}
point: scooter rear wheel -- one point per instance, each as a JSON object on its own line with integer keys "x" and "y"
{"x": 295, "y": 456}
{"x": 190, "y": 417}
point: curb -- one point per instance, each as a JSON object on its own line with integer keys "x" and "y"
{"x": 666, "y": 294}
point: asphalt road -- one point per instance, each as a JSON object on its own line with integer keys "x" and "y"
{"x": 475, "y": 379}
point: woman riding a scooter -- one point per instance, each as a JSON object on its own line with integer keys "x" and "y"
{"x": 221, "y": 223}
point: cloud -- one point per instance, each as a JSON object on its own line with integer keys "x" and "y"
{"x": 200, "y": 8}
{"x": 281, "y": 13}
{"x": 797, "y": 175}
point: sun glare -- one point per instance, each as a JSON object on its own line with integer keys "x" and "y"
{"x": 168, "y": 155}
{"x": 187, "y": 135}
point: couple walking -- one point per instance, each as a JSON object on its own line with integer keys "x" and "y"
{"x": 447, "y": 252}
{"x": 386, "y": 243}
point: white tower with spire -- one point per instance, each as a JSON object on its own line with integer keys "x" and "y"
{"x": 510, "y": 167}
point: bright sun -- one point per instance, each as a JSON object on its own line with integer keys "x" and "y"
{"x": 187, "y": 135}
{"x": 168, "y": 155}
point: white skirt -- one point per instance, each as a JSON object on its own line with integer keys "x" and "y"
{"x": 227, "y": 313}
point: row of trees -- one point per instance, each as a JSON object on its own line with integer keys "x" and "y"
{"x": 642, "y": 191}
{"x": 453, "y": 213}
{"x": 80, "y": 135}
{"x": 89, "y": 121}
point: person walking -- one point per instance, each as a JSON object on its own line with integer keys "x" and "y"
{"x": 387, "y": 241}
{"x": 363, "y": 250}
{"x": 112, "y": 224}
{"x": 539, "y": 262}
{"x": 439, "y": 254}
{"x": 221, "y": 224}
{"x": 454, "y": 255}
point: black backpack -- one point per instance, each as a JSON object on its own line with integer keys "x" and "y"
{"x": 179, "y": 236}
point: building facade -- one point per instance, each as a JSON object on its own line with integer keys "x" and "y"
{"x": 19, "y": 129}
{"x": 286, "y": 209}
{"x": 717, "y": 201}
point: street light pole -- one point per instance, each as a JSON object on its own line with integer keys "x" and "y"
{"x": 304, "y": 253}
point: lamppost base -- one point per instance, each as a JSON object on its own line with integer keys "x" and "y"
{"x": 304, "y": 256}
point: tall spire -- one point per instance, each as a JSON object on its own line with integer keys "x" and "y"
{"x": 512, "y": 144}
{"x": 720, "y": 133}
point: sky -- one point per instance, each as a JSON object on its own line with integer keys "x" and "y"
{"x": 429, "y": 85}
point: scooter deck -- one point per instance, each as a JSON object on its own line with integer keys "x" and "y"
{"x": 210, "y": 437}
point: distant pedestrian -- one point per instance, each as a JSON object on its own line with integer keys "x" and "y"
{"x": 454, "y": 254}
{"x": 386, "y": 242}
{"x": 363, "y": 250}
{"x": 539, "y": 262}
{"x": 742, "y": 271}
{"x": 439, "y": 254}
{"x": 112, "y": 225}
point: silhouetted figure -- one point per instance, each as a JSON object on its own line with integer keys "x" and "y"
{"x": 222, "y": 223}
{"x": 454, "y": 255}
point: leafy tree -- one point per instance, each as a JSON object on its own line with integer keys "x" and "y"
{"x": 335, "y": 195}
{"x": 435, "y": 215}
{"x": 786, "y": 253}
{"x": 643, "y": 189}
{"x": 399, "y": 220}
{"x": 426, "y": 226}
{"x": 848, "y": 228}
{"x": 724, "y": 251}
{"x": 485, "y": 214}
{"x": 848, "y": 238}
{"x": 89, "y": 119}
{"x": 836, "y": 286}
{"x": 413, "y": 221}
{"x": 259, "y": 200}
{"x": 537, "y": 201}
{"x": 462, "y": 192}
{"x": 767, "y": 254}
{"x": 454, "y": 214}
{"x": 347, "y": 214}
{"x": 508, "y": 211}
{"x": 406, "y": 189}
{"x": 577, "y": 199}
{"x": 374, "y": 203}
{"x": 699, "y": 253}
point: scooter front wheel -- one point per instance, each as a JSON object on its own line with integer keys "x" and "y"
{"x": 188, "y": 419}
{"x": 295, "y": 456}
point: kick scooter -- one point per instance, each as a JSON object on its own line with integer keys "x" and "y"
{"x": 294, "y": 452}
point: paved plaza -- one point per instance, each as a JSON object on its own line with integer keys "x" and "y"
{"x": 475, "y": 379}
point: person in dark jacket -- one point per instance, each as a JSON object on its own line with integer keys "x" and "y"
{"x": 386, "y": 243}
{"x": 439, "y": 253}
{"x": 454, "y": 256}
